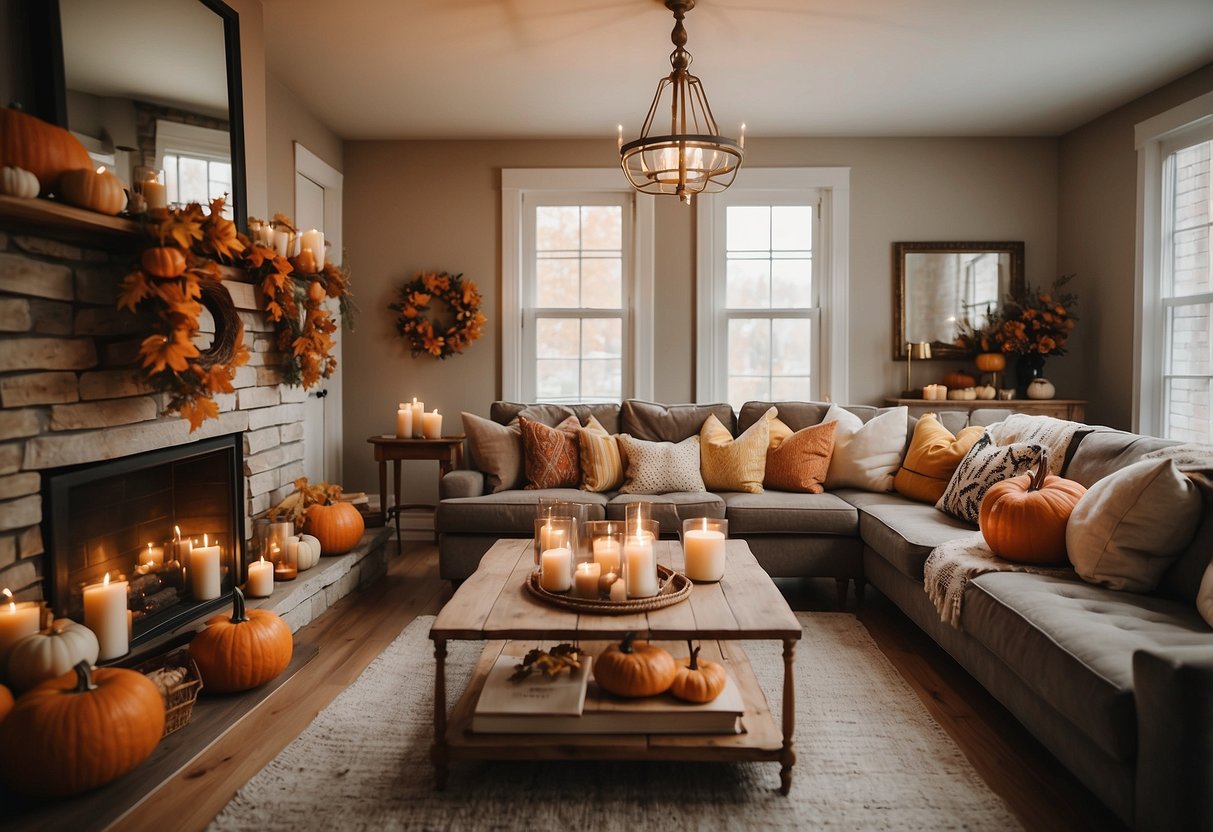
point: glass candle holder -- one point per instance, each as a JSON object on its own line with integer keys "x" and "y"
{"x": 285, "y": 560}
{"x": 703, "y": 548}
{"x": 606, "y": 545}
{"x": 640, "y": 559}
{"x": 553, "y": 542}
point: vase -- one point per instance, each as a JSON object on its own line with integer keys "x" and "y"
{"x": 1028, "y": 367}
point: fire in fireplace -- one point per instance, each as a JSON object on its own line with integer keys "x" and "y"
{"x": 168, "y": 523}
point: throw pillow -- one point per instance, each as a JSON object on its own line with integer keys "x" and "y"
{"x": 984, "y": 465}
{"x": 1204, "y": 596}
{"x": 496, "y": 450}
{"x": 661, "y": 467}
{"x": 601, "y": 465}
{"x": 866, "y": 455}
{"x": 1130, "y": 525}
{"x": 551, "y": 456}
{"x": 932, "y": 458}
{"x": 729, "y": 464}
{"x": 799, "y": 461}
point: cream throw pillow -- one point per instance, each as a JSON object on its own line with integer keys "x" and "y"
{"x": 729, "y": 464}
{"x": 1131, "y": 525}
{"x": 661, "y": 467}
{"x": 866, "y": 455}
{"x": 601, "y": 465}
{"x": 496, "y": 450}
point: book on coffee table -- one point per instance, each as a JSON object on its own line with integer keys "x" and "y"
{"x": 559, "y": 695}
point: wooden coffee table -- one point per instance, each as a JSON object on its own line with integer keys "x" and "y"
{"x": 493, "y": 606}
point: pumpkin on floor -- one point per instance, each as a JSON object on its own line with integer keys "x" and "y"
{"x": 338, "y": 526}
{"x": 80, "y": 731}
{"x": 43, "y": 149}
{"x": 698, "y": 680}
{"x": 243, "y": 650}
{"x": 50, "y": 654}
{"x": 634, "y": 668}
{"x": 1023, "y": 519}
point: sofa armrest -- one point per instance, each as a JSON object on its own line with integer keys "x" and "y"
{"x": 463, "y": 483}
{"x": 1174, "y": 697}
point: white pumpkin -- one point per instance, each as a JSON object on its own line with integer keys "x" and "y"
{"x": 18, "y": 182}
{"x": 51, "y": 653}
{"x": 1041, "y": 388}
{"x": 309, "y": 551}
{"x": 986, "y": 391}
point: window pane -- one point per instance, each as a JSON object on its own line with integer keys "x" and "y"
{"x": 791, "y": 389}
{"x": 557, "y": 338}
{"x": 192, "y": 181}
{"x": 1190, "y": 262}
{"x": 749, "y": 346}
{"x": 601, "y": 227}
{"x": 556, "y": 282}
{"x": 1192, "y": 181}
{"x": 602, "y": 283}
{"x": 748, "y": 228}
{"x": 748, "y": 284}
{"x": 556, "y": 380}
{"x": 170, "y": 178}
{"x": 792, "y": 284}
{"x": 792, "y": 227}
{"x": 744, "y": 389}
{"x": 556, "y": 228}
{"x": 602, "y": 379}
{"x": 791, "y": 347}
{"x": 602, "y": 338}
{"x": 1186, "y": 413}
{"x": 1188, "y": 340}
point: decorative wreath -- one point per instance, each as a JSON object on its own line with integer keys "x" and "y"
{"x": 428, "y": 336}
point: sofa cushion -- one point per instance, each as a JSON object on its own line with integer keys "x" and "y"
{"x": 901, "y": 531}
{"x": 866, "y": 454}
{"x": 1105, "y": 451}
{"x": 601, "y": 464}
{"x": 984, "y": 465}
{"x": 1073, "y": 643}
{"x": 660, "y": 467}
{"x": 729, "y": 464}
{"x": 669, "y": 509}
{"x": 782, "y": 512}
{"x": 795, "y": 415}
{"x": 669, "y": 422}
{"x": 932, "y": 458}
{"x": 496, "y": 450}
{"x": 799, "y": 461}
{"x": 606, "y": 413}
{"x": 551, "y": 457}
{"x": 508, "y": 512}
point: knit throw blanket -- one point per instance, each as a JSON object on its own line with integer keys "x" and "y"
{"x": 950, "y": 567}
{"x": 1054, "y": 435}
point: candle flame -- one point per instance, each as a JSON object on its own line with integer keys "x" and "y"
{"x": 435, "y": 411}
{"x": 177, "y": 533}
{"x": 205, "y": 543}
{"x": 101, "y": 169}
{"x": 12, "y": 607}
{"x": 106, "y": 582}
{"x": 262, "y": 559}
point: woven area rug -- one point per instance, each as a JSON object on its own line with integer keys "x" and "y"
{"x": 869, "y": 756}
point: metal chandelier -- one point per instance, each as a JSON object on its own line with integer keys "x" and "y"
{"x": 691, "y": 157}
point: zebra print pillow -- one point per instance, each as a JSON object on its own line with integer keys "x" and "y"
{"x": 984, "y": 465}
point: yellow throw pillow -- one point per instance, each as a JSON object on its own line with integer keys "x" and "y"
{"x": 729, "y": 464}
{"x": 932, "y": 458}
{"x": 601, "y": 465}
{"x": 799, "y": 461}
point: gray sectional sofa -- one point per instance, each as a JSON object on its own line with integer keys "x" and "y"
{"x": 1118, "y": 685}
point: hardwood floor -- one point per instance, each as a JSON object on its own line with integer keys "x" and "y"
{"x": 354, "y": 631}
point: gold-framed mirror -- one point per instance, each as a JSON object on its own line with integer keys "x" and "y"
{"x": 937, "y": 286}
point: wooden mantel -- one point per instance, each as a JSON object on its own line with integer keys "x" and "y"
{"x": 1073, "y": 410}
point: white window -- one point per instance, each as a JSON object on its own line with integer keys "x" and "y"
{"x": 197, "y": 163}
{"x": 577, "y": 265}
{"x": 772, "y": 277}
{"x": 1175, "y": 279}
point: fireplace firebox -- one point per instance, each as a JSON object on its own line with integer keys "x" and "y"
{"x": 134, "y": 519}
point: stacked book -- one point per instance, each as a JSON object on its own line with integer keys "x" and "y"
{"x": 572, "y": 703}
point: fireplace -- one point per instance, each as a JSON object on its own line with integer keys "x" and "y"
{"x": 134, "y": 519}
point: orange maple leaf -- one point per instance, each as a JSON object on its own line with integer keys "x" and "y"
{"x": 159, "y": 351}
{"x": 198, "y": 411}
{"x": 135, "y": 289}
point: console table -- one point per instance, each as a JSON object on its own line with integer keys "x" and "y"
{"x": 447, "y": 450}
{"x": 1072, "y": 409}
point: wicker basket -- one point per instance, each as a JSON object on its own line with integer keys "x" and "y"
{"x": 179, "y": 700}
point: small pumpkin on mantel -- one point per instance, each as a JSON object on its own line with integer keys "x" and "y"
{"x": 243, "y": 650}
{"x": 50, "y": 654}
{"x": 43, "y": 149}
{"x": 18, "y": 182}
{"x": 97, "y": 190}
{"x": 338, "y": 526}
{"x": 164, "y": 262}
{"x": 958, "y": 380}
{"x": 635, "y": 668}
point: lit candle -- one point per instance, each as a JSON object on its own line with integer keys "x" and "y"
{"x": 154, "y": 195}
{"x": 550, "y": 537}
{"x": 432, "y": 428}
{"x": 285, "y": 569}
{"x": 404, "y": 421}
{"x": 154, "y": 556}
{"x": 16, "y": 622}
{"x": 284, "y": 242}
{"x": 265, "y": 235}
{"x": 619, "y": 592}
{"x": 704, "y": 550}
{"x": 556, "y": 569}
{"x": 181, "y": 547}
{"x": 606, "y": 553}
{"x": 105, "y": 614}
{"x": 641, "y": 566}
{"x": 313, "y": 241}
{"x": 261, "y": 578}
{"x": 418, "y": 418}
{"x": 585, "y": 581}
{"x": 204, "y": 571}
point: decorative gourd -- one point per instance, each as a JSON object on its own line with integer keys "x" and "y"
{"x": 1024, "y": 518}
{"x": 634, "y": 668}
{"x": 18, "y": 182}
{"x": 309, "y": 551}
{"x": 990, "y": 362}
{"x": 1041, "y": 388}
{"x": 80, "y": 731}
{"x": 958, "y": 380}
{"x": 337, "y": 526}
{"x": 163, "y": 261}
{"x": 698, "y": 680}
{"x": 50, "y": 654}
{"x": 43, "y": 149}
{"x": 241, "y": 651}
{"x": 97, "y": 190}
{"x": 6, "y": 702}
{"x": 986, "y": 391}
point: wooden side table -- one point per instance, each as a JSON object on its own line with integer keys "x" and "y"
{"x": 448, "y": 451}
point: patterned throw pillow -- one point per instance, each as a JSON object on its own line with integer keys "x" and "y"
{"x": 550, "y": 455}
{"x": 729, "y": 464}
{"x": 932, "y": 459}
{"x": 601, "y": 465}
{"x": 799, "y": 461}
{"x": 661, "y": 467}
{"x": 496, "y": 450}
{"x": 984, "y": 465}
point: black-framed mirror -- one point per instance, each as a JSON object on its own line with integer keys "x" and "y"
{"x": 153, "y": 83}
{"x": 940, "y": 286}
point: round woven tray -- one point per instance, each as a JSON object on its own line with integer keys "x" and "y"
{"x": 675, "y": 588}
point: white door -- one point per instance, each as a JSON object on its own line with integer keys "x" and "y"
{"x": 318, "y": 205}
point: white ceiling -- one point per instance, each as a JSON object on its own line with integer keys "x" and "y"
{"x": 384, "y": 69}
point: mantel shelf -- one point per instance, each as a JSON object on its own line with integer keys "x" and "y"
{"x": 48, "y": 215}
{"x": 1072, "y": 409}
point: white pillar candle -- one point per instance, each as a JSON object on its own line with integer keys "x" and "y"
{"x": 181, "y": 548}
{"x": 556, "y": 569}
{"x": 704, "y": 550}
{"x": 432, "y": 428}
{"x": 204, "y": 571}
{"x": 154, "y": 194}
{"x": 418, "y": 418}
{"x": 585, "y": 581}
{"x": 154, "y": 556}
{"x": 551, "y": 537}
{"x": 105, "y": 614}
{"x": 606, "y": 553}
{"x": 640, "y": 568}
{"x": 313, "y": 241}
{"x": 261, "y": 578}
{"x": 284, "y": 242}
{"x": 16, "y": 622}
{"x": 404, "y": 421}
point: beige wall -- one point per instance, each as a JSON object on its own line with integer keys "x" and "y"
{"x": 434, "y": 205}
{"x": 288, "y": 122}
{"x": 1097, "y": 241}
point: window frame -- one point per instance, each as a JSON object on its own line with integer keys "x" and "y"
{"x": 566, "y": 186}
{"x": 829, "y": 187}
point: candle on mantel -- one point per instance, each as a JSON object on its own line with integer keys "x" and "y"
{"x": 640, "y": 566}
{"x": 105, "y": 614}
{"x": 704, "y": 550}
{"x": 154, "y": 556}
{"x": 556, "y": 569}
{"x": 261, "y": 578}
{"x": 432, "y": 429}
{"x": 154, "y": 194}
{"x": 418, "y": 418}
{"x": 606, "y": 553}
{"x": 585, "y": 581}
{"x": 284, "y": 242}
{"x": 313, "y": 241}
{"x": 284, "y": 568}
{"x": 17, "y": 620}
{"x": 404, "y": 421}
{"x": 181, "y": 547}
{"x": 204, "y": 571}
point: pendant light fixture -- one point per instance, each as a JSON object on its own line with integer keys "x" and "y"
{"x": 690, "y": 157}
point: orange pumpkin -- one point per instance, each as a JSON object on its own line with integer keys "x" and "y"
{"x": 634, "y": 668}
{"x": 1023, "y": 519}
{"x": 97, "y": 190}
{"x": 6, "y": 702}
{"x": 958, "y": 380}
{"x": 163, "y": 261}
{"x": 43, "y": 149}
{"x": 990, "y": 362}
{"x": 243, "y": 650}
{"x": 337, "y": 526}
{"x": 80, "y": 731}
{"x": 698, "y": 680}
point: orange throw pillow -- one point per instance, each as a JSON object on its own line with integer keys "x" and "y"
{"x": 551, "y": 457}
{"x": 933, "y": 457}
{"x": 799, "y": 461}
